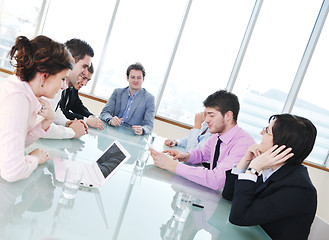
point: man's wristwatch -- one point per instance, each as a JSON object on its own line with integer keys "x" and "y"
{"x": 253, "y": 171}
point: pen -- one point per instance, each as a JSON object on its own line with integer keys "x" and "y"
{"x": 127, "y": 124}
{"x": 197, "y": 205}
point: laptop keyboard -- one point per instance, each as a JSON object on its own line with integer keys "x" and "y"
{"x": 81, "y": 166}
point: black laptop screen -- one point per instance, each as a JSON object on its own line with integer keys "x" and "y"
{"x": 110, "y": 159}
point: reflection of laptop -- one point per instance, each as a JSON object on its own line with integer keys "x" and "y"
{"x": 98, "y": 172}
{"x": 99, "y": 202}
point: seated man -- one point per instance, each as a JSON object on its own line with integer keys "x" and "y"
{"x": 133, "y": 105}
{"x": 197, "y": 137}
{"x": 62, "y": 127}
{"x": 225, "y": 147}
{"x": 72, "y": 106}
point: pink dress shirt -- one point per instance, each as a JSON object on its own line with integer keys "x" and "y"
{"x": 18, "y": 128}
{"x": 233, "y": 147}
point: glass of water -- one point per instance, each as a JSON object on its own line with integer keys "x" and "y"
{"x": 141, "y": 162}
{"x": 71, "y": 182}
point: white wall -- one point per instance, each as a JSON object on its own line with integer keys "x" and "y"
{"x": 320, "y": 180}
{"x": 319, "y": 177}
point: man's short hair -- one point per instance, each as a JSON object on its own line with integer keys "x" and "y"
{"x": 136, "y": 66}
{"x": 79, "y": 49}
{"x": 224, "y": 101}
{"x": 296, "y": 132}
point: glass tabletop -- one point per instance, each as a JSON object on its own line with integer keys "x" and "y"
{"x": 136, "y": 203}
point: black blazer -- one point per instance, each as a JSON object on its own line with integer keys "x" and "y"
{"x": 74, "y": 108}
{"x": 284, "y": 206}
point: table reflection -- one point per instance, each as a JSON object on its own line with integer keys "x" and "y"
{"x": 34, "y": 194}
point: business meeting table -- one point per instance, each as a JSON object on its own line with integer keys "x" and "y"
{"x": 140, "y": 201}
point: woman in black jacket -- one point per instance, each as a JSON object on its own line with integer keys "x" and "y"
{"x": 270, "y": 187}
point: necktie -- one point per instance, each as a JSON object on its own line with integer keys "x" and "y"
{"x": 63, "y": 96}
{"x": 67, "y": 96}
{"x": 214, "y": 164}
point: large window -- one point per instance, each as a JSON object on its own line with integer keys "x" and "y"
{"x": 144, "y": 31}
{"x": 312, "y": 101}
{"x": 80, "y": 19}
{"x": 272, "y": 59}
{"x": 185, "y": 61}
{"x": 16, "y": 18}
{"x": 205, "y": 56}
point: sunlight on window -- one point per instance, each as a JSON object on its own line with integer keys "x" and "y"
{"x": 312, "y": 101}
{"x": 272, "y": 59}
{"x": 144, "y": 31}
{"x": 80, "y": 19}
{"x": 16, "y": 21}
{"x": 205, "y": 57}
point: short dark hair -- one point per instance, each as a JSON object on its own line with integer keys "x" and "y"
{"x": 135, "y": 66}
{"x": 296, "y": 132}
{"x": 79, "y": 49}
{"x": 41, "y": 54}
{"x": 224, "y": 101}
{"x": 91, "y": 68}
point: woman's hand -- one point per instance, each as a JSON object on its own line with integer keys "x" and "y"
{"x": 275, "y": 156}
{"x": 47, "y": 112}
{"x": 161, "y": 160}
{"x": 41, "y": 155}
{"x": 251, "y": 153}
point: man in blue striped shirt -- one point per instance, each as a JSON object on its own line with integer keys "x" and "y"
{"x": 131, "y": 106}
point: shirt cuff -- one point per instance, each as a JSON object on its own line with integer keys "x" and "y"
{"x": 236, "y": 170}
{"x": 108, "y": 120}
{"x": 248, "y": 176}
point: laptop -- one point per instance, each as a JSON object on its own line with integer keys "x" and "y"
{"x": 97, "y": 172}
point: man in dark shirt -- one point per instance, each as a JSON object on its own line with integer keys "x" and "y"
{"x": 72, "y": 106}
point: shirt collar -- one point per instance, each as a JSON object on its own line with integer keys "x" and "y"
{"x": 134, "y": 96}
{"x": 227, "y": 137}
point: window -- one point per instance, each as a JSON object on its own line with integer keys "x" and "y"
{"x": 205, "y": 56}
{"x": 272, "y": 59}
{"x": 144, "y": 31}
{"x": 312, "y": 101}
{"x": 81, "y": 19}
{"x": 16, "y": 21}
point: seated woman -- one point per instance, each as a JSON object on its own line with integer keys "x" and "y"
{"x": 41, "y": 69}
{"x": 273, "y": 189}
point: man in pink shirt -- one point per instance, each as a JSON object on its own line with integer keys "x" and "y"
{"x": 225, "y": 147}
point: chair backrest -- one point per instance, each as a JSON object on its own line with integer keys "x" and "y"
{"x": 319, "y": 229}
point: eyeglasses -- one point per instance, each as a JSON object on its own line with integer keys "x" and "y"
{"x": 265, "y": 131}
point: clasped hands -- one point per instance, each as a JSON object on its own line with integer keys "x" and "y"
{"x": 272, "y": 158}
{"x": 79, "y": 127}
